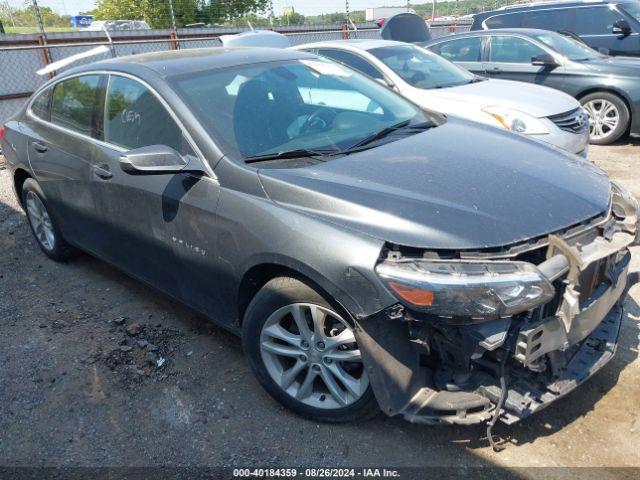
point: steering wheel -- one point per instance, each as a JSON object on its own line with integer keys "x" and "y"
{"x": 318, "y": 120}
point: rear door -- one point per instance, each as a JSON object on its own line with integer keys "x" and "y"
{"x": 466, "y": 52}
{"x": 509, "y": 58}
{"x": 64, "y": 121}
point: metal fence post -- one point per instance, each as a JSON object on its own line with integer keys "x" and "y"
{"x": 173, "y": 26}
{"x": 36, "y": 9}
{"x": 42, "y": 38}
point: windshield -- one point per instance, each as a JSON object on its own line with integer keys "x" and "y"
{"x": 570, "y": 48}
{"x": 301, "y": 105}
{"x": 632, "y": 9}
{"x": 422, "y": 69}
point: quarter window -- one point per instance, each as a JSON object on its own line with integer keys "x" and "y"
{"x": 463, "y": 50}
{"x": 352, "y": 60}
{"x": 135, "y": 118}
{"x": 513, "y": 50}
{"x": 40, "y": 106}
{"x": 77, "y": 104}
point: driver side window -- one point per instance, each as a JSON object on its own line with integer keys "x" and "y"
{"x": 135, "y": 118}
{"x": 513, "y": 50}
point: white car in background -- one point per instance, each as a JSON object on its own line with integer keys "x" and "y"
{"x": 437, "y": 84}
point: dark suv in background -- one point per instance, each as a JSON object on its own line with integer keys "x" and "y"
{"x": 612, "y": 27}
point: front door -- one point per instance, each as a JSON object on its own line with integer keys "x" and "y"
{"x": 150, "y": 228}
{"x": 509, "y": 58}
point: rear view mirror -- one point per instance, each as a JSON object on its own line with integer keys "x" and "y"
{"x": 157, "y": 160}
{"x": 544, "y": 60}
{"x": 621, "y": 27}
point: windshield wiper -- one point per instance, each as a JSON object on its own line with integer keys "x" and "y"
{"x": 386, "y": 131}
{"x": 298, "y": 153}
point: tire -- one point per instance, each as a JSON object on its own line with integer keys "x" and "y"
{"x": 609, "y": 117}
{"x": 43, "y": 227}
{"x": 271, "y": 310}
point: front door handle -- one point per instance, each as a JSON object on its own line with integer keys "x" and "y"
{"x": 102, "y": 171}
{"x": 494, "y": 69}
{"x": 39, "y": 147}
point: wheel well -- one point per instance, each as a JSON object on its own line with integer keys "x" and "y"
{"x": 605, "y": 90}
{"x": 19, "y": 178}
{"x": 256, "y": 278}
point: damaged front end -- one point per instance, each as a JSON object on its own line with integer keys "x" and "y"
{"x": 477, "y": 336}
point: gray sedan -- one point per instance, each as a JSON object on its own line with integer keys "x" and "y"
{"x": 370, "y": 254}
{"x": 607, "y": 87}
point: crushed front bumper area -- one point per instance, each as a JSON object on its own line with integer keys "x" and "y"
{"x": 437, "y": 372}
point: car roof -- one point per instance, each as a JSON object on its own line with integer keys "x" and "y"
{"x": 360, "y": 44}
{"x": 174, "y": 62}
{"x": 523, "y": 7}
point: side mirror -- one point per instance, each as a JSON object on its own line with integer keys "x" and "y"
{"x": 544, "y": 60}
{"x": 621, "y": 27}
{"x": 157, "y": 160}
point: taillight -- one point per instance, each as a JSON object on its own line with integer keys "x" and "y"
{"x": 3, "y": 130}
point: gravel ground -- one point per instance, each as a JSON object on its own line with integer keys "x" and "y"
{"x": 78, "y": 386}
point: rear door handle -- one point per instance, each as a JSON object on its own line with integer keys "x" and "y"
{"x": 102, "y": 171}
{"x": 39, "y": 147}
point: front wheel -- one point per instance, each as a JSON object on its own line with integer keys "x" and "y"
{"x": 608, "y": 117}
{"x": 305, "y": 354}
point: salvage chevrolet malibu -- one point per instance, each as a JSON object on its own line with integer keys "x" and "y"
{"x": 372, "y": 255}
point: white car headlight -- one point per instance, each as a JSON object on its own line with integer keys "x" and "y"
{"x": 516, "y": 120}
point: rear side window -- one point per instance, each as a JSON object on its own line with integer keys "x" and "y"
{"x": 135, "y": 118}
{"x": 40, "y": 106}
{"x": 77, "y": 104}
{"x": 510, "y": 20}
{"x": 595, "y": 20}
{"x": 351, "y": 60}
{"x": 513, "y": 50}
{"x": 556, "y": 19}
{"x": 463, "y": 50}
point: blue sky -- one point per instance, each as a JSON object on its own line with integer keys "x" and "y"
{"x": 306, "y": 7}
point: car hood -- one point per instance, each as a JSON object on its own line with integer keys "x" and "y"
{"x": 532, "y": 99}
{"x": 627, "y": 66}
{"x": 457, "y": 186}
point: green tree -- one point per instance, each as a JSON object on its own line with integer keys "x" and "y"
{"x": 157, "y": 12}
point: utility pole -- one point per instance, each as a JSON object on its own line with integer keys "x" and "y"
{"x": 433, "y": 9}
{"x": 346, "y": 6}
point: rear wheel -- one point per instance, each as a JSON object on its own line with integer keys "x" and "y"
{"x": 305, "y": 354}
{"x": 608, "y": 117}
{"x": 42, "y": 225}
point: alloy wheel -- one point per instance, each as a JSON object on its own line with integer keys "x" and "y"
{"x": 604, "y": 118}
{"x": 40, "y": 221}
{"x": 311, "y": 353}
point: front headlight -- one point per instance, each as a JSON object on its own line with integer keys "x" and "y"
{"x": 479, "y": 290}
{"x": 516, "y": 121}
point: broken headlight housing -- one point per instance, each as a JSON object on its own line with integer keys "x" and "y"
{"x": 475, "y": 290}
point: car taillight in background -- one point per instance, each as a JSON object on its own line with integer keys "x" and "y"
{"x": 3, "y": 130}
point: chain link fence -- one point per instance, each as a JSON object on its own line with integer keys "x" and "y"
{"x": 36, "y": 36}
